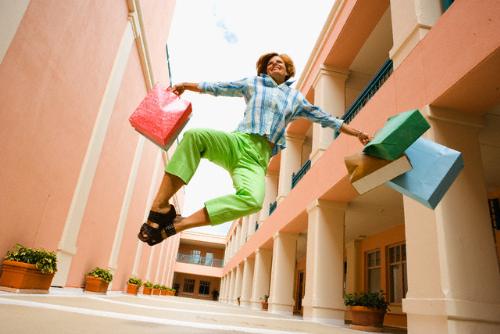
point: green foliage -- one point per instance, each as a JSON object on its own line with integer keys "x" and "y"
{"x": 368, "y": 299}
{"x": 156, "y": 286}
{"x": 135, "y": 280}
{"x": 148, "y": 284}
{"x": 105, "y": 274}
{"x": 163, "y": 288}
{"x": 264, "y": 298}
{"x": 44, "y": 260}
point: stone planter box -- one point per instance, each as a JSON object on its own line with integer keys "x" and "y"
{"x": 23, "y": 277}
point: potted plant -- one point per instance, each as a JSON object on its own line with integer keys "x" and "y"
{"x": 264, "y": 301}
{"x": 28, "y": 268}
{"x": 367, "y": 309}
{"x": 171, "y": 292}
{"x": 148, "y": 286}
{"x": 163, "y": 290}
{"x": 156, "y": 289}
{"x": 97, "y": 280}
{"x": 133, "y": 285}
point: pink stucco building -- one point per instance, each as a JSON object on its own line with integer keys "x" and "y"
{"x": 316, "y": 238}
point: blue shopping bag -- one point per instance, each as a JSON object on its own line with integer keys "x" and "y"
{"x": 435, "y": 167}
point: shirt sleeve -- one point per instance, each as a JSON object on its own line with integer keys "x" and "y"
{"x": 315, "y": 114}
{"x": 232, "y": 88}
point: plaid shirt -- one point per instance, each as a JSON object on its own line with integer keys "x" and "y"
{"x": 270, "y": 107}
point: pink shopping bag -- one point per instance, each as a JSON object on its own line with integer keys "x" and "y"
{"x": 161, "y": 116}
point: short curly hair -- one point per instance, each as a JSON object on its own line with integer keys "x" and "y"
{"x": 264, "y": 60}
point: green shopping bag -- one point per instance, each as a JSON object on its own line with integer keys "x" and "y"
{"x": 398, "y": 133}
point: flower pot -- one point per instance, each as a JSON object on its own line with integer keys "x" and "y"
{"x": 132, "y": 288}
{"x": 156, "y": 292}
{"x": 264, "y": 305}
{"x": 367, "y": 318}
{"x": 171, "y": 293}
{"x": 96, "y": 284}
{"x": 146, "y": 291}
{"x": 163, "y": 292}
{"x": 24, "y": 276}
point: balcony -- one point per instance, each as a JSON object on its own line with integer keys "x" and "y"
{"x": 373, "y": 86}
{"x": 200, "y": 260}
{"x": 272, "y": 207}
{"x": 302, "y": 171}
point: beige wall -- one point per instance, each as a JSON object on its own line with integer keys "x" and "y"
{"x": 214, "y": 285}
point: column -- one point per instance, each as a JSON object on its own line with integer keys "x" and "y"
{"x": 353, "y": 266}
{"x": 282, "y": 273}
{"x": 221, "y": 294}
{"x": 261, "y": 276}
{"x": 244, "y": 231}
{"x": 270, "y": 196}
{"x": 323, "y": 300}
{"x": 290, "y": 162}
{"x": 411, "y": 21}
{"x": 451, "y": 258}
{"x": 251, "y": 225}
{"x": 237, "y": 237}
{"x": 329, "y": 95}
{"x": 246, "y": 288}
{"x": 224, "y": 289}
{"x": 232, "y": 279}
{"x": 237, "y": 283}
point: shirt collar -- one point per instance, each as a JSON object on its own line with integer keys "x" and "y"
{"x": 269, "y": 78}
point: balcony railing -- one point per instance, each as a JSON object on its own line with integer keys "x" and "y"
{"x": 272, "y": 207}
{"x": 373, "y": 86}
{"x": 201, "y": 260}
{"x": 302, "y": 171}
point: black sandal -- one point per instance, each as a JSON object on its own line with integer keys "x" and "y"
{"x": 154, "y": 235}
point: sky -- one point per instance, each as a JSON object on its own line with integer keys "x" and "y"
{"x": 221, "y": 40}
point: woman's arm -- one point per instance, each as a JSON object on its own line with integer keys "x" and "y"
{"x": 181, "y": 87}
{"x": 362, "y": 137}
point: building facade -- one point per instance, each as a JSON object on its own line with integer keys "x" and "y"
{"x": 198, "y": 266}
{"x": 75, "y": 177}
{"x": 316, "y": 238}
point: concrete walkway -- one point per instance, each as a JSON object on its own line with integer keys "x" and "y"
{"x": 72, "y": 311}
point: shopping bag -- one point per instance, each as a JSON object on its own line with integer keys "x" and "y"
{"x": 367, "y": 173}
{"x": 435, "y": 167}
{"x": 398, "y": 133}
{"x": 161, "y": 116}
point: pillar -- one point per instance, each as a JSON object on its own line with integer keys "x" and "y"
{"x": 261, "y": 276}
{"x": 270, "y": 196}
{"x": 411, "y": 21}
{"x": 244, "y": 231}
{"x": 246, "y": 288}
{"x": 452, "y": 265}
{"x": 291, "y": 158}
{"x": 232, "y": 281}
{"x": 329, "y": 95}
{"x": 237, "y": 283}
{"x": 282, "y": 273}
{"x": 323, "y": 300}
{"x": 354, "y": 264}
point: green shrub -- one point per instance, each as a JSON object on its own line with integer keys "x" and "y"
{"x": 44, "y": 260}
{"x": 156, "y": 286}
{"x": 148, "y": 284}
{"x": 135, "y": 280}
{"x": 105, "y": 274}
{"x": 368, "y": 299}
{"x": 163, "y": 288}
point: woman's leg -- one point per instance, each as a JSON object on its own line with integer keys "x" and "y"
{"x": 168, "y": 187}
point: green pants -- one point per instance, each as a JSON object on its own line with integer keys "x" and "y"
{"x": 245, "y": 156}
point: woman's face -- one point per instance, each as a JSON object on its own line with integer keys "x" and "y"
{"x": 276, "y": 69}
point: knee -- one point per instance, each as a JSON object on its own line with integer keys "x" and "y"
{"x": 253, "y": 202}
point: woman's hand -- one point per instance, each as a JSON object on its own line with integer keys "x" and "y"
{"x": 178, "y": 89}
{"x": 364, "y": 138}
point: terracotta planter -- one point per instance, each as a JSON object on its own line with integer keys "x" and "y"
{"x": 146, "y": 291}
{"x": 24, "y": 276}
{"x": 264, "y": 305}
{"x": 163, "y": 292}
{"x": 367, "y": 318}
{"x": 95, "y": 284}
{"x": 156, "y": 292}
{"x": 171, "y": 293}
{"x": 132, "y": 288}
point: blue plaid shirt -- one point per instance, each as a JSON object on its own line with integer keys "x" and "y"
{"x": 270, "y": 107}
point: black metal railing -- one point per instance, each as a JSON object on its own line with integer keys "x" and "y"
{"x": 373, "y": 86}
{"x": 272, "y": 207}
{"x": 201, "y": 260}
{"x": 300, "y": 174}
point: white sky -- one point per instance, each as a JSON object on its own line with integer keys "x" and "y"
{"x": 221, "y": 40}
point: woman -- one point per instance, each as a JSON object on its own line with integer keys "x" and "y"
{"x": 245, "y": 153}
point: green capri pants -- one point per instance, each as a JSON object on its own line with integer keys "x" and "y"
{"x": 245, "y": 156}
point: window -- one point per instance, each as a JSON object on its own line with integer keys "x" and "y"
{"x": 398, "y": 284}
{"x": 209, "y": 259}
{"x": 204, "y": 288}
{"x": 373, "y": 271}
{"x": 196, "y": 256}
{"x": 188, "y": 285}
